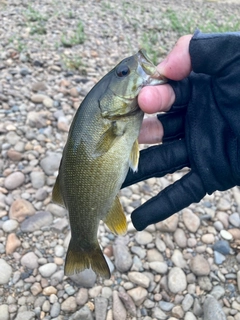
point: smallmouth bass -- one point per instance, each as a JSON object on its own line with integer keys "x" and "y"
{"x": 102, "y": 145}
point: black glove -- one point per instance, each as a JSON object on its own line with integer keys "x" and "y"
{"x": 201, "y": 131}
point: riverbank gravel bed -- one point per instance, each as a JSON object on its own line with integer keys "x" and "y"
{"x": 51, "y": 54}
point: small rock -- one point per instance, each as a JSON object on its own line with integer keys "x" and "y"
{"x": 82, "y": 296}
{"x": 222, "y": 246}
{"x": 234, "y": 219}
{"x": 226, "y": 235}
{"x": 55, "y": 310}
{"x": 139, "y": 279}
{"x": 217, "y": 292}
{"x": 4, "y": 313}
{"x": 47, "y": 291}
{"x": 36, "y": 119}
{"x": 101, "y": 305}
{"x": 161, "y": 246}
{"x": 47, "y": 102}
{"x": 12, "y": 243}
{"x": 30, "y": 260}
{"x": 39, "y": 86}
{"x": 37, "y": 179}
{"x": 50, "y": 164}
{"x": 14, "y": 180}
{"x": 69, "y": 305}
{"x": 199, "y": 266}
{"x": 187, "y": 302}
{"x": 74, "y": 92}
{"x": 223, "y": 204}
{"x": 191, "y": 220}
{"x": 180, "y": 238}
{"x": 10, "y": 225}
{"x": 168, "y": 225}
{"x": 159, "y": 267}
{"x": 166, "y": 306}
{"x": 36, "y": 288}
{"x": 189, "y": 316}
{"x": 38, "y": 98}
{"x": 177, "y": 281}
{"x": 14, "y": 155}
{"x": 5, "y": 272}
{"x": 218, "y": 257}
{"x": 205, "y": 283}
{"x": 86, "y": 278}
{"x": 128, "y": 303}
{"x": 178, "y": 260}
{"x": 138, "y": 295}
{"x": 47, "y": 269}
{"x": 159, "y": 314}
{"x": 212, "y": 309}
{"x": 208, "y": 238}
{"x": 20, "y": 209}
{"x": 123, "y": 258}
{"x": 143, "y": 237}
{"x": 154, "y": 255}
{"x": 37, "y": 221}
{"x": 119, "y": 312}
{"x": 94, "y": 292}
{"x": 25, "y": 315}
{"x": 83, "y": 314}
{"x": 56, "y": 210}
{"x": 235, "y": 232}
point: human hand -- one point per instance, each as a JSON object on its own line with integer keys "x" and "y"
{"x": 200, "y": 131}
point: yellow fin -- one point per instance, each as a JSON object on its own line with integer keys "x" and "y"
{"x": 56, "y": 193}
{"x": 78, "y": 259}
{"x": 134, "y": 156}
{"x": 116, "y": 219}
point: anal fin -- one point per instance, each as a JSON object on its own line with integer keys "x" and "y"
{"x": 116, "y": 219}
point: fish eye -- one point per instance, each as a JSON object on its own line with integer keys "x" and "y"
{"x": 123, "y": 71}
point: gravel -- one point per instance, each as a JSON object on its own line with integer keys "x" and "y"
{"x": 186, "y": 267}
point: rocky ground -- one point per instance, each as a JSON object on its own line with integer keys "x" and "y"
{"x": 51, "y": 54}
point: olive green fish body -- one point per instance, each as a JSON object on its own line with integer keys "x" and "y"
{"x": 102, "y": 144}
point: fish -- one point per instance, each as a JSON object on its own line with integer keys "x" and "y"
{"x": 101, "y": 147}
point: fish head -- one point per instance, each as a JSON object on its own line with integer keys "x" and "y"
{"x": 127, "y": 79}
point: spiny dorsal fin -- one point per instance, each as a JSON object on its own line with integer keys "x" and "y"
{"x": 116, "y": 219}
{"x": 134, "y": 156}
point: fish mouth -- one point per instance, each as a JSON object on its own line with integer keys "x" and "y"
{"x": 148, "y": 71}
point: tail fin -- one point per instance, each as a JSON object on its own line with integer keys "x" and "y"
{"x": 78, "y": 259}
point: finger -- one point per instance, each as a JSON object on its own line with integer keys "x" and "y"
{"x": 159, "y": 160}
{"x": 173, "y": 124}
{"x": 172, "y": 199}
{"x": 177, "y": 64}
{"x": 151, "y": 131}
{"x": 156, "y": 99}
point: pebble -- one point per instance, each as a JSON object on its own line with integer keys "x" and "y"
{"x": 83, "y": 314}
{"x": 222, "y": 246}
{"x": 217, "y": 292}
{"x": 29, "y": 260}
{"x": 166, "y": 306}
{"x": 180, "y": 238}
{"x": 226, "y": 235}
{"x": 189, "y": 316}
{"x": 123, "y": 258}
{"x": 234, "y": 219}
{"x": 138, "y": 295}
{"x": 82, "y": 296}
{"x": 199, "y": 266}
{"x": 119, "y": 311}
{"x": 10, "y": 225}
{"x": 177, "y": 281}
{"x": 25, "y": 315}
{"x": 178, "y": 260}
{"x": 128, "y": 303}
{"x": 208, "y": 238}
{"x": 143, "y": 237}
{"x": 86, "y": 279}
{"x": 238, "y": 280}
{"x": 47, "y": 291}
{"x": 101, "y": 305}
{"x": 20, "y": 209}
{"x": 55, "y": 309}
{"x": 14, "y": 180}
{"x": 37, "y": 221}
{"x": 37, "y": 179}
{"x": 159, "y": 267}
{"x": 191, "y": 220}
{"x": 218, "y": 257}
{"x": 50, "y": 164}
{"x": 13, "y": 243}
{"x": 187, "y": 302}
{"x": 139, "y": 279}
{"x": 168, "y": 225}
{"x": 4, "y": 313}
{"x": 212, "y": 309}
{"x": 159, "y": 314}
{"x": 47, "y": 269}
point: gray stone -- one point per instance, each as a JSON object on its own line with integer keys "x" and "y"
{"x": 139, "y": 279}
{"x": 56, "y": 210}
{"x": 189, "y": 316}
{"x": 166, "y": 306}
{"x": 119, "y": 311}
{"x": 191, "y": 220}
{"x": 47, "y": 269}
{"x": 218, "y": 257}
{"x": 50, "y": 164}
{"x": 37, "y": 221}
{"x": 159, "y": 314}
{"x": 10, "y": 225}
{"x": 138, "y": 295}
{"x": 212, "y": 309}
{"x": 37, "y": 179}
{"x": 128, "y": 303}
{"x": 86, "y": 278}
{"x": 222, "y": 246}
{"x": 205, "y": 283}
{"x": 82, "y": 296}
{"x": 199, "y": 266}
{"x": 143, "y": 237}
{"x": 123, "y": 258}
{"x": 177, "y": 281}
{"x": 4, "y": 313}
{"x": 180, "y": 238}
{"x": 14, "y": 180}
{"x": 30, "y": 260}
{"x": 83, "y": 314}
{"x": 159, "y": 267}
{"x": 234, "y": 219}
{"x": 5, "y": 272}
{"x": 168, "y": 225}
{"x": 25, "y": 315}
{"x": 55, "y": 310}
{"x": 187, "y": 302}
{"x": 101, "y": 305}
{"x": 178, "y": 260}
{"x": 69, "y": 305}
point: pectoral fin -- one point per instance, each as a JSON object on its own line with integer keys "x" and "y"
{"x": 56, "y": 193}
{"x": 116, "y": 219}
{"x": 134, "y": 156}
{"x": 107, "y": 140}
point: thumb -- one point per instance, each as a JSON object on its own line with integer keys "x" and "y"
{"x": 177, "y": 64}
{"x": 172, "y": 199}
